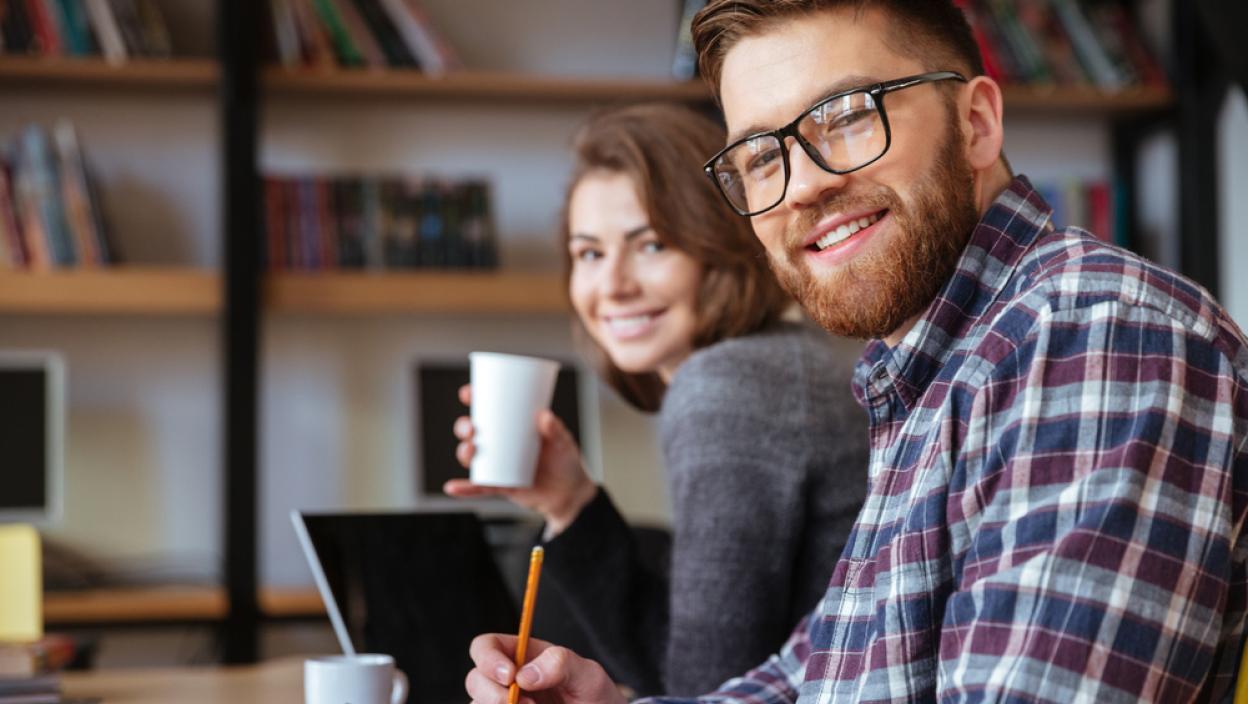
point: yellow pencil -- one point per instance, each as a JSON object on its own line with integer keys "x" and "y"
{"x": 526, "y": 618}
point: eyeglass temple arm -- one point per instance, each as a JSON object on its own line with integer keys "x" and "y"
{"x": 924, "y": 78}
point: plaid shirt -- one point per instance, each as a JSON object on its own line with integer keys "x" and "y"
{"x": 1059, "y": 479}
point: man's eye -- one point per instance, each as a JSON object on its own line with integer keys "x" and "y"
{"x": 848, "y": 119}
{"x": 763, "y": 162}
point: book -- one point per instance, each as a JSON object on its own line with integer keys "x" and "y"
{"x": 107, "y": 32}
{"x": 76, "y": 196}
{"x": 10, "y": 228}
{"x": 156, "y": 39}
{"x": 344, "y": 48}
{"x": 73, "y": 24}
{"x": 41, "y": 205}
{"x": 363, "y": 40}
{"x": 685, "y": 60}
{"x": 285, "y": 33}
{"x": 388, "y": 38}
{"x": 416, "y": 35}
{"x": 46, "y": 39}
{"x": 446, "y": 52}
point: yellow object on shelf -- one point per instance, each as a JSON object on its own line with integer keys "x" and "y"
{"x": 21, "y": 585}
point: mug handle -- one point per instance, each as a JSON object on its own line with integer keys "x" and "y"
{"x": 398, "y": 695}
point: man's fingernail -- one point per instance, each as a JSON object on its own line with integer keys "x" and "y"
{"x": 529, "y": 676}
{"x": 503, "y": 674}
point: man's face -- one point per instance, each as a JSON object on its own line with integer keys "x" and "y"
{"x": 912, "y": 211}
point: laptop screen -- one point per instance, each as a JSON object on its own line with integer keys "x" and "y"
{"x": 418, "y": 587}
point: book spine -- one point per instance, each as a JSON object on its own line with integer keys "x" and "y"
{"x": 285, "y": 33}
{"x": 347, "y": 54}
{"x": 46, "y": 39}
{"x": 1091, "y": 54}
{"x": 370, "y": 208}
{"x": 414, "y": 36}
{"x": 685, "y": 60}
{"x": 327, "y": 225}
{"x": 18, "y": 37}
{"x": 128, "y": 21}
{"x": 10, "y": 227}
{"x": 450, "y": 58}
{"x": 153, "y": 29}
{"x": 1100, "y": 211}
{"x": 38, "y": 168}
{"x": 361, "y": 37}
{"x": 388, "y": 38}
{"x": 73, "y": 22}
{"x": 75, "y": 195}
{"x": 104, "y": 22}
{"x": 316, "y": 45}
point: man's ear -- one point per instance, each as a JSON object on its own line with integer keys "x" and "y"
{"x": 981, "y": 122}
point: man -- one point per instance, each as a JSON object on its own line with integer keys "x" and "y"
{"x": 1059, "y": 470}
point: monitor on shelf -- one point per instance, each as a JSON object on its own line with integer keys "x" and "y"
{"x": 436, "y": 406}
{"x": 32, "y": 436}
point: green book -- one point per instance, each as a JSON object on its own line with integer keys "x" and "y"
{"x": 348, "y": 53}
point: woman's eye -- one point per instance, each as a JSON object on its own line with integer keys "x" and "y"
{"x": 587, "y": 255}
{"x": 652, "y": 246}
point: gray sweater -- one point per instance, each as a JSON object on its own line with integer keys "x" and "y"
{"x": 766, "y": 453}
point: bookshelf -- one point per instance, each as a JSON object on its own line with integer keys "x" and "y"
{"x": 353, "y": 293}
{"x": 77, "y": 74}
{"x": 163, "y": 604}
{"x": 203, "y": 74}
{"x": 113, "y": 291}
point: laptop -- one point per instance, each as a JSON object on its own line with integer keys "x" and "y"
{"x": 416, "y": 586}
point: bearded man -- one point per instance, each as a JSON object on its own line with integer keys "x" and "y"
{"x": 1059, "y": 464}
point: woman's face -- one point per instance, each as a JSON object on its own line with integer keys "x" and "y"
{"x": 635, "y": 296}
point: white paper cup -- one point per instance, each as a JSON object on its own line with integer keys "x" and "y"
{"x": 359, "y": 679}
{"x": 508, "y": 391}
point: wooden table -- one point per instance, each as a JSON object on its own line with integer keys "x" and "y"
{"x": 275, "y": 682}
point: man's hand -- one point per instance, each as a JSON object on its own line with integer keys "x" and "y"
{"x": 553, "y": 675}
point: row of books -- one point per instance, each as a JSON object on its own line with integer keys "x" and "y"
{"x": 114, "y": 29}
{"x": 317, "y": 223}
{"x": 1094, "y": 205}
{"x": 1063, "y": 42}
{"x": 50, "y": 213}
{"x": 29, "y": 671}
{"x": 359, "y": 33}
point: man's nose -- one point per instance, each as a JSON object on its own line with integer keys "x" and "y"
{"x": 809, "y": 183}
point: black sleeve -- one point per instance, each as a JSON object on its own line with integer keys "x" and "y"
{"x": 617, "y": 595}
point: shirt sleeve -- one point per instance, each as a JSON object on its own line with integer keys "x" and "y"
{"x": 1098, "y": 517}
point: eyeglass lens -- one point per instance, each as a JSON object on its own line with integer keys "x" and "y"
{"x": 846, "y": 133}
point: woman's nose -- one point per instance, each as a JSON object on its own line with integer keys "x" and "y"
{"x": 620, "y": 280}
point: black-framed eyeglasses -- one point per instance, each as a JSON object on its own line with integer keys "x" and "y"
{"x": 841, "y": 133}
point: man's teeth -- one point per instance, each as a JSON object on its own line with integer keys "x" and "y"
{"x": 846, "y": 230}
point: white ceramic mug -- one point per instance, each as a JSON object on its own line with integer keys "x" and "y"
{"x": 507, "y": 392}
{"x": 353, "y": 679}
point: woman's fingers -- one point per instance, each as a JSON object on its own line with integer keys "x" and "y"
{"x": 463, "y": 428}
{"x": 465, "y": 394}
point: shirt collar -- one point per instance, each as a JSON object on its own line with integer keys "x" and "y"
{"x": 1014, "y": 221}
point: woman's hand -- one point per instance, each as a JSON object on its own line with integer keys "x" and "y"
{"x": 561, "y": 486}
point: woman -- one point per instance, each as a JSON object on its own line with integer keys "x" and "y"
{"x": 766, "y": 451}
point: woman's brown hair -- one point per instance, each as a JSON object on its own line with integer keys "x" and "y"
{"x": 661, "y": 148}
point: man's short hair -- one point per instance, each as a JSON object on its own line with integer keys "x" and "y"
{"x": 933, "y": 31}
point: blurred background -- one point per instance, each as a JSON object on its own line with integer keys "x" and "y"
{"x": 247, "y": 227}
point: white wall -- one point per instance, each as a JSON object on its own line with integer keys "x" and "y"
{"x": 1233, "y": 178}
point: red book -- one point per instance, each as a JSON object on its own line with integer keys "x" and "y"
{"x": 44, "y": 28}
{"x": 1100, "y": 211}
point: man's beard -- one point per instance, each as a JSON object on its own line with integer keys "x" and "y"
{"x": 877, "y": 291}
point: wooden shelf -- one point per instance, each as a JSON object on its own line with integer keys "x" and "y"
{"x": 478, "y": 85}
{"x": 415, "y": 292}
{"x": 164, "y": 604}
{"x": 118, "y": 290}
{"x": 150, "y": 74}
{"x": 1086, "y": 100}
